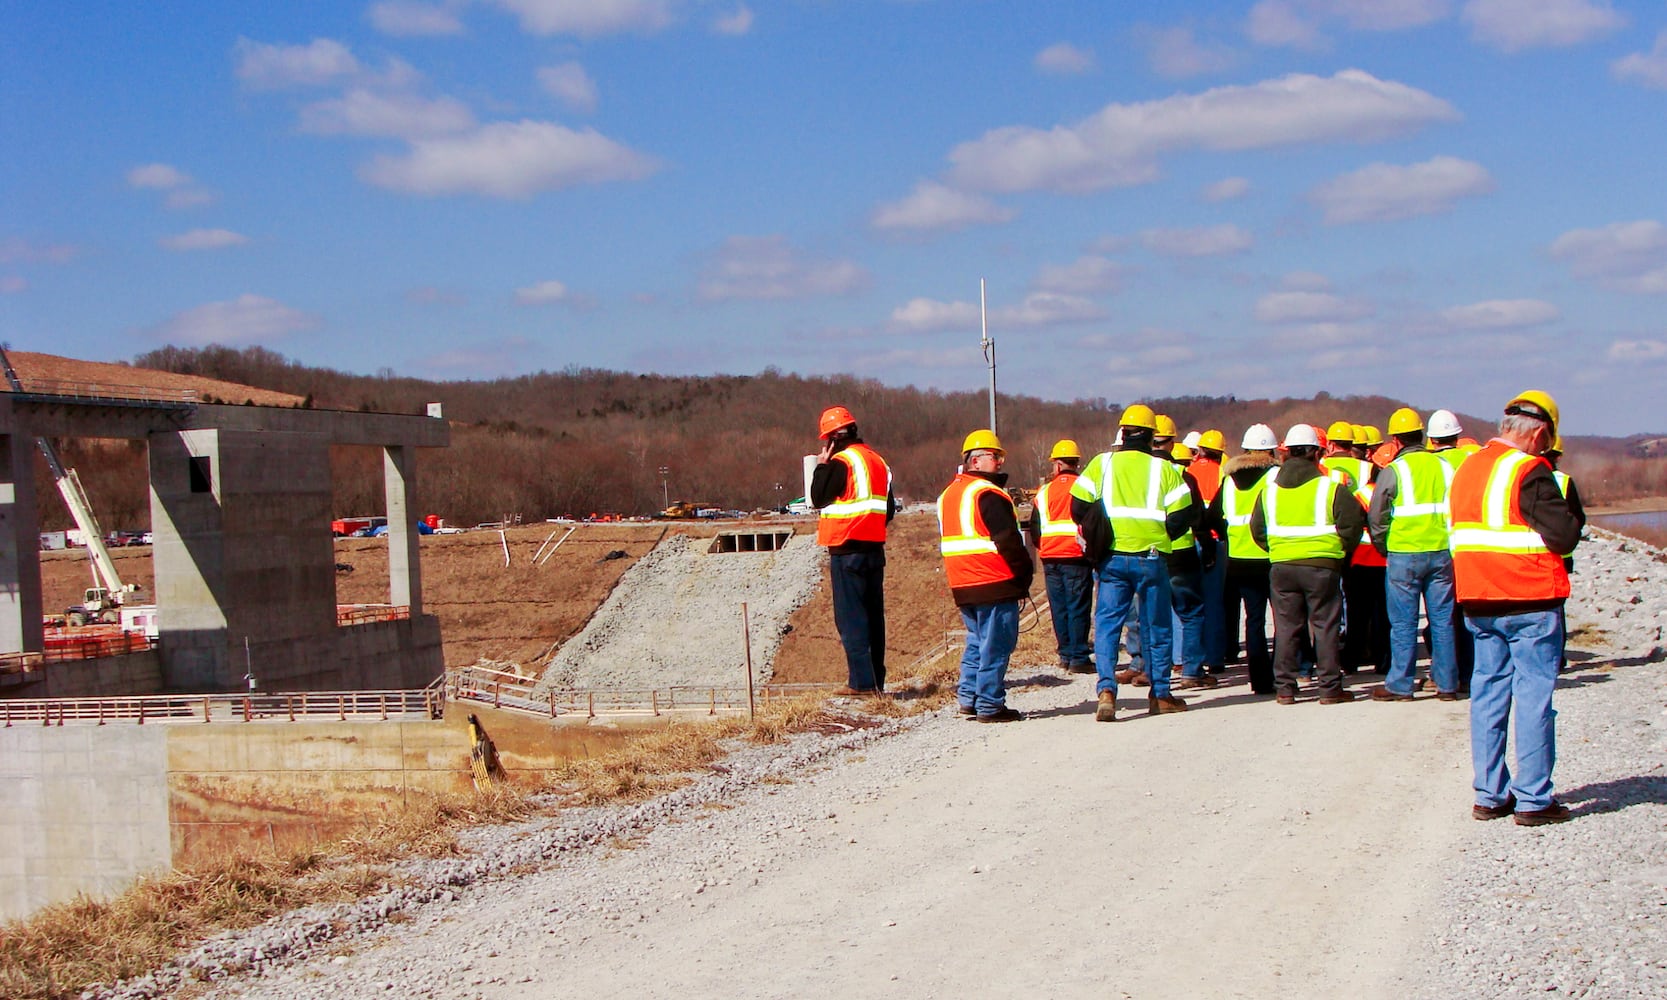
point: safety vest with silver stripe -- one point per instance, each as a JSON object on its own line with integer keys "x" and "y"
{"x": 1418, "y": 518}
{"x": 1138, "y": 491}
{"x": 1497, "y": 555}
{"x": 859, "y": 515}
{"x": 1236, "y": 508}
{"x": 969, "y": 553}
{"x": 1058, "y": 535}
{"x": 1299, "y": 520}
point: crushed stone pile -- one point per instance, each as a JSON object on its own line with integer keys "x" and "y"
{"x": 1618, "y": 595}
{"x": 675, "y": 617}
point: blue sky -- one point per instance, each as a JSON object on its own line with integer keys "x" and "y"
{"x": 1442, "y": 200}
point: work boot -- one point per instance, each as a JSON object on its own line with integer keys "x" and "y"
{"x": 1201, "y": 681}
{"x": 1165, "y": 705}
{"x": 1126, "y": 676}
{"x": 1106, "y": 710}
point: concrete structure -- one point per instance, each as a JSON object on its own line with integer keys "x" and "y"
{"x": 240, "y": 509}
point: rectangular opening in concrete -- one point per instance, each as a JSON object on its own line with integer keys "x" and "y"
{"x": 750, "y": 541}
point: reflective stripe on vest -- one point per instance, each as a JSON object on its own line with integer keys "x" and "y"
{"x": 1299, "y": 521}
{"x": 859, "y": 515}
{"x": 1418, "y": 518}
{"x": 969, "y": 553}
{"x": 1497, "y": 556}
{"x": 1236, "y": 508}
{"x": 1562, "y": 482}
{"x": 1138, "y": 491}
{"x": 1059, "y": 538}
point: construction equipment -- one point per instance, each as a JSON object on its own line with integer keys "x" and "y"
{"x": 102, "y": 602}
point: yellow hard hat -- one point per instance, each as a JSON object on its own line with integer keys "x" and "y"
{"x": 1540, "y": 401}
{"x": 1212, "y": 441}
{"x": 1374, "y": 437}
{"x": 1139, "y": 415}
{"x": 982, "y": 440}
{"x": 1360, "y": 436}
{"x": 1165, "y": 426}
{"x": 1340, "y": 432}
{"x": 1405, "y": 421}
{"x": 1065, "y": 448}
{"x": 1556, "y": 446}
{"x": 1181, "y": 452}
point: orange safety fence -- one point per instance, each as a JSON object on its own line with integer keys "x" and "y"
{"x": 361, "y": 614}
{"x": 65, "y": 648}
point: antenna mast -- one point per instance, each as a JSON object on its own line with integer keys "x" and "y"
{"x": 989, "y": 347}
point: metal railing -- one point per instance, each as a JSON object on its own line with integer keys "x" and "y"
{"x": 362, "y": 614}
{"x": 101, "y": 391}
{"x": 299, "y": 706}
{"x": 484, "y": 686}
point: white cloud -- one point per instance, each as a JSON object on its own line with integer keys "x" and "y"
{"x": 735, "y": 24}
{"x": 1297, "y": 23}
{"x": 589, "y": 18}
{"x": 190, "y": 197}
{"x": 157, "y": 176}
{"x": 1088, "y": 275}
{"x": 1064, "y": 59}
{"x": 19, "y": 250}
{"x": 768, "y": 267}
{"x": 1121, "y": 144}
{"x": 508, "y": 160}
{"x": 1383, "y": 192}
{"x": 247, "y": 319}
{"x": 1646, "y": 68}
{"x": 1514, "y": 25}
{"x": 1628, "y": 256}
{"x": 1038, "y": 309}
{"x": 1211, "y": 241}
{"x": 13, "y": 284}
{"x": 569, "y": 84}
{"x": 402, "y": 20}
{"x": 367, "y": 112}
{"x": 1177, "y": 53}
{"x": 1500, "y": 314}
{"x": 1305, "y": 281}
{"x": 934, "y": 206}
{"x": 1310, "y": 307}
{"x": 485, "y": 358}
{"x": 275, "y": 67}
{"x": 542, "y": 294}
{"x": 1634, "y": 351}
{"x": 1227, "y": 189}
{"x": 203, "y": 239}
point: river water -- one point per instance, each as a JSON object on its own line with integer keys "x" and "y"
{"x": 1649, "y": 520}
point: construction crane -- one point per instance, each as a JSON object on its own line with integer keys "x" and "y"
{"x": 101, "y": 602}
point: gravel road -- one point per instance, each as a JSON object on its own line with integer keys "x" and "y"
{"x": 1242, "y": 849}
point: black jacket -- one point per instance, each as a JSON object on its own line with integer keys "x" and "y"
{"x": 1245, "y": 470}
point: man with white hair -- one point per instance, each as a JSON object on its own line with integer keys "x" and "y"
{"x": 1310, "y": 525}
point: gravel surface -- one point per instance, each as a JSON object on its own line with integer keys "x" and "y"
{"x": 675, "y": 617}
{"x": 1241, "y": 849}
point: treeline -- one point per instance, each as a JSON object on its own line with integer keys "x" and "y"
{"x": 585, "y": 441}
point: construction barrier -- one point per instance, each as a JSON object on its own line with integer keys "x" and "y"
{"x": 364, "y": 614}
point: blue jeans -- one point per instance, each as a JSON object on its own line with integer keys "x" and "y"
{"x": 1411, "y": 575}
{"x": 1215, "y": 612}
{"x": 1071, "y": 603}
{"x": 1516, "y": 671}
{"x": 992, "y": 632}
{"x": 1121, "y": 576}
{"x": 859, "y": 605}
{"x": 1186, "y": 598}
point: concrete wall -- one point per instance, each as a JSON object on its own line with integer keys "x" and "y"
{"x": 105, "y": 677}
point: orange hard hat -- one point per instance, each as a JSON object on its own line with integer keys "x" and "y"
{"x": 833, "y": 418}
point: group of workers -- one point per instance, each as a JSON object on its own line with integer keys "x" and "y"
{"x": 1328, "y": 526}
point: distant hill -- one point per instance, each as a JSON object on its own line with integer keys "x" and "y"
{"x": 585, "y": 441}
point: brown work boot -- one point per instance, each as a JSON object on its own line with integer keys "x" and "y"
{"x": 1338, "y": 697}
{"x": 1126, "y": 676}
{"x": 1106, "y": 709}
{"x": 1140, "y": 680}
{"x": 1191, "y": 683}
{"x": 1165, "y": 705}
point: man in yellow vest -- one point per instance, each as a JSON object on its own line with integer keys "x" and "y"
{"x": 1444, "y": 431}
{"x": 1244, "y": 477}
{"x": 989, "y": 571}
{"x": 1511, "y": 529}
{"x": 1130, "y": 505}
{"x": 851, "y": 487}
{"x": 1408, "y": 522}
{"x": 1310, "y": 525}
{"x": 1065, "y": 567}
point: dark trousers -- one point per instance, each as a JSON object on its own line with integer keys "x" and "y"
{"x": 1367, "y": 643}
{"x": 1071, "y": 603}
{"x": 1304, "y": 596}
{"x": 1253, "y": 591}
{"x": 859, "y": 600}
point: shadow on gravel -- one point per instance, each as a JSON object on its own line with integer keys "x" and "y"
{"x": 1572, "y": 680}
{"x": 1039, "y": 681}
{"x": 1613, "y": 796}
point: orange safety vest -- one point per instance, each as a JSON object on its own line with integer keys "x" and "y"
{"x": 1364, "y": 473}
{"x": 1058, "y": 537}
{"x": 859, "y": 515}
{"x": 1497, "y": 556}
{"x": 1208, "y": 473}
{"x": 970, "y": 558}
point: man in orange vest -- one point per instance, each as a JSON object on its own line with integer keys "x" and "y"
{"x": 1206, "y": 471}
{"x": 1066, "y": 569}
{"x": 851, "y": 487}
{"x": 1511, "y": 528}
{"x": 989, "y": 571}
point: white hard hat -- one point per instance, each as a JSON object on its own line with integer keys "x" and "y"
{"x": 1444, "y": 424}
{"x": 1302, "y": 435}
{"x": 1191, "y": 440}
{"x": 1259, "y": 437}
